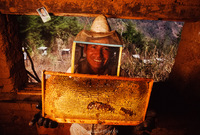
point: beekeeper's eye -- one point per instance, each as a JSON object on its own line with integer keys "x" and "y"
{"x": 93, "y": 46}
{"x": 105, "y": 48}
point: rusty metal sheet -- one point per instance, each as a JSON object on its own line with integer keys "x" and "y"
{"x": 80, "y": 98}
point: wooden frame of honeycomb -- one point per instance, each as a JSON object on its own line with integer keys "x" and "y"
{"x": 93, "y": 99}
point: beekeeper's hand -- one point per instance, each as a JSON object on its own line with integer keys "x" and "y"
{"x": 41, "y": 121}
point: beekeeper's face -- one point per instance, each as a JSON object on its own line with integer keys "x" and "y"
{"x": 98, "y": 55}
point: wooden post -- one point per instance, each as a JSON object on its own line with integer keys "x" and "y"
{"x": 73, "y": 57}
{"x": 119, "y": 61}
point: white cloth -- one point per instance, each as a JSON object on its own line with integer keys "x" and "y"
{"x": 77, "y": 129}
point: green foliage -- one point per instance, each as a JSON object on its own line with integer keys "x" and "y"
{"x": 133, "y": 37}
{"x": 36, "y": 33}
{"x": 156, "y": 55}
{"x": 137, "y": 43}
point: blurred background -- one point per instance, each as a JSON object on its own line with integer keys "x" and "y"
{"x": 149, "y": 46}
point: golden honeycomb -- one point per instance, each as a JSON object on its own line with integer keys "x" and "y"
{"x": 96, "y": 99}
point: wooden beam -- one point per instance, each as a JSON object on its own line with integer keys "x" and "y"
{"x": 178, "y": 10}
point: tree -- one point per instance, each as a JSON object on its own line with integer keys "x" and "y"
{"x": 133, "y": 37}
{"x": 36, "y": 33}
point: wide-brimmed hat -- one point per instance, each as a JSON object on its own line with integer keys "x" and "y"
{"x": 99, "y": 29}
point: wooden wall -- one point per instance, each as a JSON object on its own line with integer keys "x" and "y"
{"x": 183, "y": 10}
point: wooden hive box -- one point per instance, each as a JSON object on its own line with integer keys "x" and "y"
{"x": 93, "y": 99}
